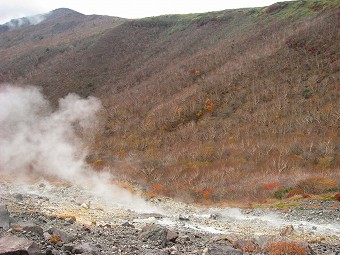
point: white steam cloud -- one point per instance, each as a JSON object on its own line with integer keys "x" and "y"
{"x": 25, "y": 21}
{"x": 36, "y": 140}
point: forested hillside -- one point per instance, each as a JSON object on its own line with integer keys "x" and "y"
{"x": 231, "y": 105}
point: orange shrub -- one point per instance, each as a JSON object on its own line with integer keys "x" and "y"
{"x": 286, "y": 248}
{"x": 207, "y": 193}
{"x": 122, "y": 153}
{"x": 271, "y": 185}
{"x": 316, "y": 185}
{"x": 158, "y": 187}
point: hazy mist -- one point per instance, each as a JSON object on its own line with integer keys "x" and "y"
{"x": 36, "y": 140}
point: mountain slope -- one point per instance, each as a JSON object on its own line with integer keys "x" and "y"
{"x": 204, "y": 106}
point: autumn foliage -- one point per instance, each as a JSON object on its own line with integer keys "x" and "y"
{"x": 231, "y": 105}
{"x": 286, "y": 248}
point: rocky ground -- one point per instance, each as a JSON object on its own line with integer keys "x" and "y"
{"x": 42, "y": 218}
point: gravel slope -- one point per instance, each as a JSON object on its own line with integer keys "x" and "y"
{"x": 109, "y": 228}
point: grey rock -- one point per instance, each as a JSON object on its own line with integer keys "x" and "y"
{"x": 173, "y": 251}
{"x": 151, "y": 215}
{"x": 221, "y": 250}
{"x": 55, "y": 252}
{"x": 127, "y": 224}
{"x": 68, "y": 247}
{"x": 19, "y": 197}
{"x": 215, "y": 216}
{"x": 85, "y": 248}
{"x": 47, "y": 236}
{"x": 70, "y": 220}
{"x": 12, "y": 245}
{"x": 155, "y": 233}
{"x": 4, "y": 217}
{"x": 184, "y": 238}
{"x": 171, "y": 236}
{"x": 183, "y": 217}
{"x": 28, "y": 226}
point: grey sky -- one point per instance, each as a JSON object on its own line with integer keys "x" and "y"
{"x": 10, "y": 9}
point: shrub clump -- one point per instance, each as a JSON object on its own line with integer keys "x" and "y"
{"x": 287, "y": 248}
{"x": 316, "y": 185}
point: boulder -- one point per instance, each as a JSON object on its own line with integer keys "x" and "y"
{"x": 171, "y": 236}
{"x": 85, "y": 248}
{"x": 12, "y": 245}
{"x": 68, "y": 247}
{"x": 4, "y": 217}
{"x": 155, "y": 233}
{"x": 27, "y": 226}
{"x": 19, "y": 197}
{"x": 221, "y": 250}
{"x": 246, "y": 245}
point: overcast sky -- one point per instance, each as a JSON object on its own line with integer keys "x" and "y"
{"x": 10, "y": 9}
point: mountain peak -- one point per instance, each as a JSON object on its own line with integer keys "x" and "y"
{"x": 65, "y": 12}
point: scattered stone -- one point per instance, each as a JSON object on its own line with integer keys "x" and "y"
{"x": 184, "y": 238}
{"x": 127, "y": 224}
{"x": 183, "y": 217}
{"x": 86, "y": 205}
{"x": 68, "y": 247}
{"x": 4, "y": 217}
{"x": 171, "y": 236}
{"x": 19, "y": 197}
{"x": 286, "y": 230}
{"x": 70, "y": 220}
{"x": 221, "y": 250}
{"x": 85, "y": 248}
{"x": 151, "y": 215}
{"x": 12, "y": 245}
{"x": 86, "y": 229}
{"x": 215, "y": 216}
{"x": 173, "y": 251}
{"x": 155, "y": 233}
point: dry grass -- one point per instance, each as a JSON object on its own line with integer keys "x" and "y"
{"x": 55, "y": 239}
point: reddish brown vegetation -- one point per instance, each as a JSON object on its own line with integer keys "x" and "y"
{"x": 286, "y": 248}
{"x": 337, "y": 196}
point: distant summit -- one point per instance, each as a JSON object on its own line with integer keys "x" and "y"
{"x": 36, "y": 19}
{"x": 64, "y": 12}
